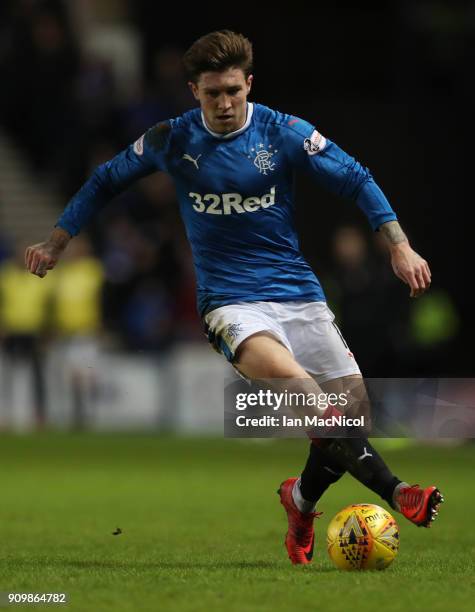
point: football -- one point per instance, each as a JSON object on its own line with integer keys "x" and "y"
{"x": 361, "y": 537}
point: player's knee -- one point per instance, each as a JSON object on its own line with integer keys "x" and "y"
{"x": 357, "y": 403}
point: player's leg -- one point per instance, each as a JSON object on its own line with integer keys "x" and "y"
{"x": 353, "y": 454}
{"x": 324, "y": 467}
{"x": 358, "y": 456}
{"x": 328, "y": 357}
{"x": 262, "y": 356}
{"x": 321, "y": 469}
{"x": 253, "y": 340}
{"x": 321, "y": 350}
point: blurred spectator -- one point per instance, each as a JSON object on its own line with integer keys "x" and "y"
{"x": 170, "y": 81}
{"x": 166, "y": 95}
{"x": 80, "y": 277}
{"x": 25, "y": 304}
{"x": 370, "y": 304}
{"x": 434, "y": 325}
{"x": 434, "y": 319}
{"x": 142, "y": 272}
{"x": 78, "y": 322}
{"x": 188, "y": 323}
{"x": 40, "y": 64}
{"x": 94, "y": 87}
{"x": 148, "y": 317}
{"x": 106, "y": 35}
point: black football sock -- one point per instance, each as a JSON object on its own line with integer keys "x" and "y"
{"x": 363, "y": 462}
{"x": 319, "y": 473}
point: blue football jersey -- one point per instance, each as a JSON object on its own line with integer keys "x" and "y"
{"x": 235, "y": 193}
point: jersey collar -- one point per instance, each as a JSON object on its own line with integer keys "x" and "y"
{"x": 250, "y": 110}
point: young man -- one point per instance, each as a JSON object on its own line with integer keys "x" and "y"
{"x": 263, "y": 307}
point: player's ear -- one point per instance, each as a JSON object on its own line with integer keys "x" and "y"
{"x": 194, "y": 89}
{"x": 249, "y": 82}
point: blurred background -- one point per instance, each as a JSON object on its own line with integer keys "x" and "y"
{"x": 111, "y": 339}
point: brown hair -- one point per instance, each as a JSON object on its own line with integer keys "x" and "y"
{"x": 218, "y": 51}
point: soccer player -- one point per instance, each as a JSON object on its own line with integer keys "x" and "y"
{"x": 262, "y": 306}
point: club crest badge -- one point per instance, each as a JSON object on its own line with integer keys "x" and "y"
{"x": 233, "y": 330}
{"x": 262, "y": 158}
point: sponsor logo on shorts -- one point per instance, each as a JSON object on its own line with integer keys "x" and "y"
{"x": 230, "y": 203}
{"x": 315, "y": 144}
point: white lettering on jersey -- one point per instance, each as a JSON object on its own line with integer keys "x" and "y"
{"x": 138, "y": 145}
{"x": 315, "y": 144}
{"x": 229, "y": 203}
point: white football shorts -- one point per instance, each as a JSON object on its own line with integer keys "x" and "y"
{"x": 306, "y": 329}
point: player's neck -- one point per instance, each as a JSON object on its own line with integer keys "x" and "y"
{"x": 244, "y": 126}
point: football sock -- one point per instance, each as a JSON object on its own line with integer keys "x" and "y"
{"x": 302, "y": 504}
{"x": 319, "y": 473}
{"x": 363, "y": 462}
{"x": 395, "y": 503}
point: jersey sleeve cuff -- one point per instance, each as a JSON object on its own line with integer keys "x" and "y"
{"x": 378, "y": 220}
{"x": 71, "y": 229}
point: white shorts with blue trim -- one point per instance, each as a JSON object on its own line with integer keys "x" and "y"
{"x": 306, "y": 329}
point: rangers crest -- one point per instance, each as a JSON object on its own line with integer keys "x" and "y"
{"x": 233, "y": 330}
{"x": 263, "y": 158}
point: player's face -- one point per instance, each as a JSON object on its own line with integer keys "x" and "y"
{"x": 222, "y": 97}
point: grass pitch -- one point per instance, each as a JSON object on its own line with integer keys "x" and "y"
{"x": 202, "y": 527}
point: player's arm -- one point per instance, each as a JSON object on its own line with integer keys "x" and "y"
{"x": 140, "y": 159}
{"x": 342, "y": 174}
{"x": 408, "y": 265}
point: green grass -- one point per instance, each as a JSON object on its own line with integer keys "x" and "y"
{"x": 203, "y": 529}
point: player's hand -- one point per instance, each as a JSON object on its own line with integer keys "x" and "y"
{"x": 411, "y": 268}
{"x": 41, "y": 257}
